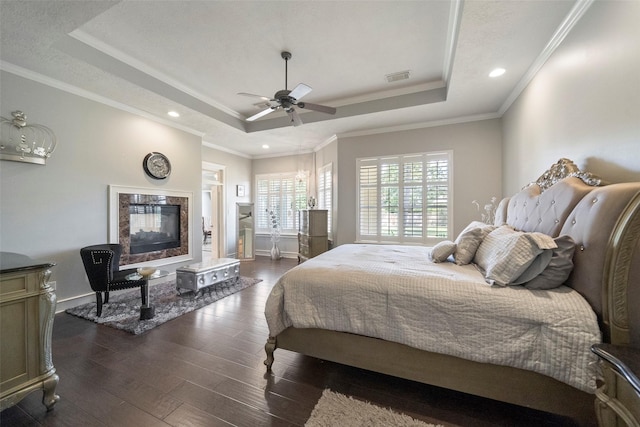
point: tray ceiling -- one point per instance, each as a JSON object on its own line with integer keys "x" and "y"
{"x": 195, "y": 56}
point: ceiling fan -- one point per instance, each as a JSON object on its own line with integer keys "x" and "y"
{"x": 286, "y": 99}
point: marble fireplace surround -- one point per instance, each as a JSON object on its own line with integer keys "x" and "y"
{"x": 121, "y": 197}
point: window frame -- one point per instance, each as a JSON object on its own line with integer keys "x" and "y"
{"x": 389, "y": 181}
{"x": 298, "y": 197}
{"x": 325, "y": 193}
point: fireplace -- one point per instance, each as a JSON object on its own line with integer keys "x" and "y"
{"x": 152, "y": 226}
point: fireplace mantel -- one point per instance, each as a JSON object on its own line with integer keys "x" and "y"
{"x": 120, "y": 201}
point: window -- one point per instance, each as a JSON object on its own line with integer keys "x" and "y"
{"x": 325, "y": 192}
{"x": 285, "y": 195}
{"x": 405, "y": 198}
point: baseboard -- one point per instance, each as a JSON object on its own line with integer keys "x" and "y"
{"x": 267, "y": 253}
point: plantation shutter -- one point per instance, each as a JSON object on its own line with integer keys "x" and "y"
{"x": 282, "y": 194}
{"x": 404, "y": 199}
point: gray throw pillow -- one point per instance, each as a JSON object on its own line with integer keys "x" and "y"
{"x": 442, "y": 251}
{"x": 536, "y": 268}
{"x": 559, "y": 268}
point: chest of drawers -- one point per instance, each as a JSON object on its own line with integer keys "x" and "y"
{"x": 312, "y": 233}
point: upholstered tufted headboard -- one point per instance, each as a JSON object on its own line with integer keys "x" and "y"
{"x": 605, "y": 224}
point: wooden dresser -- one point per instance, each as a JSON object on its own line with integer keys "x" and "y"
{"x": 312, "y": 233}
{"x": 27, "y": 307}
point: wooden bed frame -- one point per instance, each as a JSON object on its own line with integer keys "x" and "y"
{"x": 604, "y": 222}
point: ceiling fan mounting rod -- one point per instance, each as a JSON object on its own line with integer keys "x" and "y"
{"x": 286, "y": 56}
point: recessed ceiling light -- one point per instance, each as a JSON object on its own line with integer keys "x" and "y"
{"x": 497, "y": 72}
{"x": 265, "y": 146}
{"x": 173, "y": 114}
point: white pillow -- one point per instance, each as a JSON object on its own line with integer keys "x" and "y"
{"x": 469, "y": 240}
{"x": 505, "y": 253}
{"x": 442, "y": 251}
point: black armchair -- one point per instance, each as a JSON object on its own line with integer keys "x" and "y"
{"x": 101, "y": 263}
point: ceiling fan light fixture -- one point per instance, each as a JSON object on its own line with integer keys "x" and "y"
{"x": 396, "y": 77}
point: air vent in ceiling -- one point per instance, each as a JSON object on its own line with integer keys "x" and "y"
{"x": 402, "y": 75}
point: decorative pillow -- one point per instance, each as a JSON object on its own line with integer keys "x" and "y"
{"x": 469, "y": 240}
{"x": 505, "y": 253}
{"x": 535, "y": 268}
{"x": 442, "y": 251}
{"x": 559, "y": 268}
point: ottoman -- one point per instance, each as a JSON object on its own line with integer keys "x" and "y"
{"x": 209, "y": 272}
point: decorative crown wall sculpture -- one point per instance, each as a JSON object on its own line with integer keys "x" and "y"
{"x": 21, "y": 142}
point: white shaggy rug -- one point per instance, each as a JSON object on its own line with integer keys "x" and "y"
{"x": 335, "y": 409}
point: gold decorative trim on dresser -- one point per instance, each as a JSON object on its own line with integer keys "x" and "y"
{"x": 313, "y": 236}
{"x": 27, "y": 308}
{"x": 618, "y": 398}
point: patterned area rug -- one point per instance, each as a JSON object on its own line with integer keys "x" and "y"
{"x": 123, "y": 309}
{"x": 335, "y": 409}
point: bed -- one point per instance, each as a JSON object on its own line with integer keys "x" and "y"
{"x": 394, "y": 310}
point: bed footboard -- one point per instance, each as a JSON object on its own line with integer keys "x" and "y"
{"x": 503, "y": 383}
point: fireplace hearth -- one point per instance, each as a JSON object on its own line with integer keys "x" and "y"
{"x": 152, "y": 226}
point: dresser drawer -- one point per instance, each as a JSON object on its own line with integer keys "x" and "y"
{"x": 18, "y": 285}
{"x": 312, "y": 246}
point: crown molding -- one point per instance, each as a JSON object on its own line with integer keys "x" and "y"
{"x": 414, "y": 126}
{"x": 110, "y": 51}
{"x": 65, "y": 87}
{"x": 226, "y": 150}
{"x": 572, "y": 18}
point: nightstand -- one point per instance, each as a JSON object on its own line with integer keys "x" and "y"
{"x": 618, "y": 399}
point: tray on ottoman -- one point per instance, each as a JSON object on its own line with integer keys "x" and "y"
{"x": 207, "y": 273}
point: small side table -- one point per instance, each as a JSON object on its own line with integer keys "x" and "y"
{"x": 147, "y": 311}
{"x": 618, "y": 399}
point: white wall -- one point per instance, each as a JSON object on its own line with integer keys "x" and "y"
{"x": 51, "y": 211}
{"x": 584, "y": 104}
{"x": 477, "y": 171}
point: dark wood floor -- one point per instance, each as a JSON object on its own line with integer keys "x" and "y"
{"x": 206, "y": 369}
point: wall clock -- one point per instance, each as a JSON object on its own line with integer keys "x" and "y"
{"x": 156, "y": 165}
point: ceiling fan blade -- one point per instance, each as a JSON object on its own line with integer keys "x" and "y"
{"x": 254, "y": 96}
{"x": 295, "y": 118}
{"x": 300, "y": 91}
{"x": 261, "y": 113}
{"x": 316, "y": 107}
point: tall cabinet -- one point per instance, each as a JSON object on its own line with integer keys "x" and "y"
{"x": 312, "y": 233}
{"x": 27, "y": 307}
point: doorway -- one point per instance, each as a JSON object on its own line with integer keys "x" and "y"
{"x": 213, "y": 219}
